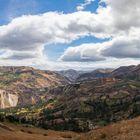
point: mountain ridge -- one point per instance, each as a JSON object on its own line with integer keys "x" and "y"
{"x": 80, "y": 106}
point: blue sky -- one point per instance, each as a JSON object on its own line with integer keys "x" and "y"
{"x": 14, "y": 8}
{"x": 10, "y": 9}
{"x": 54, "y": 51}
{"x": 63, "y": 34}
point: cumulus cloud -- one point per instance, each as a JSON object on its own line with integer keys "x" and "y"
{"x": 28, "y": 32}
{"x": 126, "y": 13}
{"x": 123, "y": 27}
{"x": 25, "y": 37}
{"x": 32, "y": 32}
{"x": 120, "y": 47}
{"x": 123, "y": 47}
{"x": 83, "y": 53}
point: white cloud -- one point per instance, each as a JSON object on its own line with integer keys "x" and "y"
{"x": 82, "y": 6}
{"x": 119, "y": 47}
{"x": 122, "y": 25}
{"x": 123, "y": 47}
{"x": 83, "y": 53}
{"x": 126, "y": 13}
{"x": 24, "y": 37}
{"x": 30, "y": 33}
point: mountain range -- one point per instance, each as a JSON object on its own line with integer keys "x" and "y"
{"x": 71, "y": 100}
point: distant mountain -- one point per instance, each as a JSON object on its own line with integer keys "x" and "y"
{"x": 99, "y": 73}
{"x": 70, "y": 74}
{"x": 23, "y": 85}
{"x": 127, "y": 72}
{"x": 124, "y": 72}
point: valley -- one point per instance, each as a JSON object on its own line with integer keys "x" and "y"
{"x": 93, "y": 102}
{"x": 69, "y": 69}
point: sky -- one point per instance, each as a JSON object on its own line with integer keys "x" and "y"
{"x": 69, "y": 34}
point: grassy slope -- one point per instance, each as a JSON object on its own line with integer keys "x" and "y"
{"x": 124, "y": 130}
{"x": 18, "y": 132}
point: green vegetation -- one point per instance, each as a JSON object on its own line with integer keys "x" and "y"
{"x": 77, "y": 107}
{"x": 76, "y": 111}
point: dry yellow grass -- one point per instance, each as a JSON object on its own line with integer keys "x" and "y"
{"x": 124, "y": 130}
{"x": 22, "y": 133}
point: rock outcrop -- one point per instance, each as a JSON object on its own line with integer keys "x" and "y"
{"x": 8, "y": 99}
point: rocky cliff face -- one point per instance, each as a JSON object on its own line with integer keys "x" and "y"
{"x": 8, "y": 99}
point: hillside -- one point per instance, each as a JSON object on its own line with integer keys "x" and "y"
{"x": 79, "y": 107}
{"x": 10, "y": 131}
{"x": 124, "y": 130}
{"x": 82, "y": 107}
{"x": 23, "y": 85}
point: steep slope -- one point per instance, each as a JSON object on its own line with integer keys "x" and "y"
{"x": 25, "y": 84}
